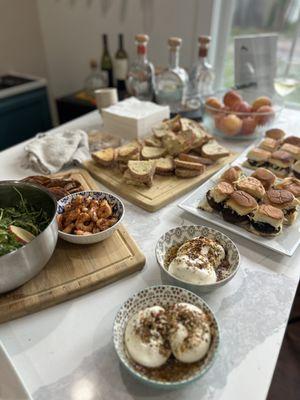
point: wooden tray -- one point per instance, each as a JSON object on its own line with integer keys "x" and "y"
{"x": 74, "y": 269}
{"x": 165, "y": 189}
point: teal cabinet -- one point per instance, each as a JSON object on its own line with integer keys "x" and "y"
{"x": 22, "y": 116}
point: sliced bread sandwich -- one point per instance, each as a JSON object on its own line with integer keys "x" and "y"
{"x": 129, "y": 151}
{"x": 152, "y": 141}
{"x": 141, "y": 172}
{"x": 164, "y": 166}
{"x": 194, "y": 158}
{"x": 105, "y": 157}
{"x": 213, "y": 150}
{"x": 187, "y": 173}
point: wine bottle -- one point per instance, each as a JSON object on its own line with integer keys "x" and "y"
{"x": 106, "y": 62}
{"x": 121, "y": 65}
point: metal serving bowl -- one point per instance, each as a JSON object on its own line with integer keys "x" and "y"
{"x": 22, "y": 264}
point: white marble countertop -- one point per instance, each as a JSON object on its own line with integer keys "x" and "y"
{"x": 66, "y": 351}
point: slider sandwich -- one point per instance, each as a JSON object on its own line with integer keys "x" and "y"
{"x": 267, "y": 221}
{"x": 291, "y": 184}
{"x": 284, "y": 200}
{"x": 237, "y": 208}
{"x": 295, "y": 140}
{"x": 280, "y": 163}
{"x": 292, "y": 149}
{"x": 232, "y": 174}
{"x": 296, "y": 169}
{"x": 257, "y": 158}
{"x": 269, "y": 144}
{"x": 275, "y": 133}
{"x": 218, "y": 195}
{"x": 252, "y": 186}
{"x": 266, "y": 177}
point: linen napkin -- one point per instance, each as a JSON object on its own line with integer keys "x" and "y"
{"x": 48, "y": 153}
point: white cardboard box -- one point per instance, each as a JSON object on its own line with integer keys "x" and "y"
{"x": 132, "y": 118}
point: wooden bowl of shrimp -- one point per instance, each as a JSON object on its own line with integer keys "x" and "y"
{"x": 88, "y": 217}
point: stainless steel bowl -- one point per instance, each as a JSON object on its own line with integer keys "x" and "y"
{"x": 21, "y": 265}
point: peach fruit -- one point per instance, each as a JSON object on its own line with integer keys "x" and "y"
{"x": 213, "y": 102}
{"x": 261, "y": 101}
{"x": 248, "y": 127}
{"x": 267, "y": 115}
{"x": 241, "y": 107}
{"x": 230, "y": 98}
{"x": 230, "y": 124}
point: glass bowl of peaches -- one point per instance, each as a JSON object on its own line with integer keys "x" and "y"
{"x": 241, "y": 114}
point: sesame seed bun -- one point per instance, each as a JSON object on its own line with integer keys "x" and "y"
{"x": 241, "y": 202}
{"x": 266, "y": 177}
{"x": 232, "y": 174}
{"x": 275, "y": 133}
{"x": 252, "y": 186}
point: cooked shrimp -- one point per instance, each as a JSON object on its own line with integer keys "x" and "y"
{"x": 104, "y": 223}
{"x": 72, "y": 216}
{"x": 81, "y": 233}
{"x": 104, "y": 210}
{"x": 69, "y": 228}
{"x": 93, "y": 214}
{"x": 59, "y": 219}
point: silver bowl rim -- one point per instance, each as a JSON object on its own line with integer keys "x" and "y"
{"x": 42, "y": 189}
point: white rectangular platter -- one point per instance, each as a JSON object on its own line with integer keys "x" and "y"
{"x": 286, "y": 243}
{"x": 11, "y": 385}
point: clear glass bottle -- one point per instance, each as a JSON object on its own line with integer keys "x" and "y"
{"x": 171, "y": 84}
{"x": 202, "y": 76}
{"x": 140, "y": 78}
{"x": 95, "y": 80}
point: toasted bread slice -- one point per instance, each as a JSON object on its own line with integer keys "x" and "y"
{"x": 189, "y": 165}
{"x": 128, "y": 151}
{"x": 104, "y": 157}
{"x": 214, "y": 150}
{"x": 149, "y": 153}
{"x": 164, "y": 166}
{"x": 195, "y": 159}
{"x": 127, "y": 177}
{"x": 152, "y": 141}
{"x": 187, "y": 173}
{"x": 142, "y": 170}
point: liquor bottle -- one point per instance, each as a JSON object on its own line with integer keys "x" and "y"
{"x": 140, "y": 79}
{"x": 202, "y": 75}
{"x": 121, "y": 65}
{"x": 95, "y": 80}
{"x": 106, "y": 62}
{"x": 171, "y": 84}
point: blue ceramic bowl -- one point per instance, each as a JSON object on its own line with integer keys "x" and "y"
{"x": 162, "y": 295}
{"x": 118, "y": 211}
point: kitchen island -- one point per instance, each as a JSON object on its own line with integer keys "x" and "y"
{"x": 66, "y": 352}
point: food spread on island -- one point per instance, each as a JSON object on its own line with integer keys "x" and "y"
{"x": 179, "y": 147}
{"x": 158, "y": 337}
{"x": 20, "y": 224}
{"x": 200, "y": 261}
{"x": 84, "y": 215}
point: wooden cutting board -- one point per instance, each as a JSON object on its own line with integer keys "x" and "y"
{"x": 165, "y": 189}
{"x": 74, "y": 269}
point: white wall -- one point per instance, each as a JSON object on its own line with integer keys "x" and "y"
{"x": 21, "y": 45}
{"x": 72, "y": 31}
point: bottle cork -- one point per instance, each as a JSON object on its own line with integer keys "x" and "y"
{"x": 142, "y": 38}
{"x": 174, "y": 41}
{"x": 204, "y": 40}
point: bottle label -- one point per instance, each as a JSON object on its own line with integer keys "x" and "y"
{"x": 121, "y": 68}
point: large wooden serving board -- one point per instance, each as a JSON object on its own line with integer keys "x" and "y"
{"x": 165, "y": 189}
{"x": 74, "y": 269}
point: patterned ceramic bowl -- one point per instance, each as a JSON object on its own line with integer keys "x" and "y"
{"x": 182, "y": 234}
{"x": 118, "y": 211}
{"x": 163, "y": 296}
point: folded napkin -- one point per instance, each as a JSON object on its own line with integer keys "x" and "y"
{"x": 48, "y": 153}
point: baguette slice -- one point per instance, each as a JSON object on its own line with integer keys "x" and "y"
{"x": 214, "y": 150}
{"x": 104, "y": 157}
{"x": 189, "y": 165}
{"x": 142, "y": 171}
{"x": 127, "y": 177}
{"x": 187, "y": 173}
{"x": 153, "y": 142}
{"x": 195, "y": 159}
{"x": 149, "y": 153}
{"x": 164, "y": 166}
